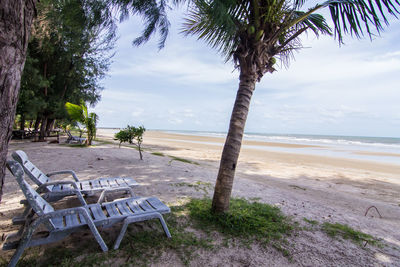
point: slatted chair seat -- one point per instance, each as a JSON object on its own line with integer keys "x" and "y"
{"x": 56, "y": 190}
{"x": 63, "y": 222}
{"x": 72, "y": 138}
{"x": 110, "y": 213}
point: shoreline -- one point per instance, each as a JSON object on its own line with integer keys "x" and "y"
{"x": 196, "y": 147}
{"x": 323, "y": 189}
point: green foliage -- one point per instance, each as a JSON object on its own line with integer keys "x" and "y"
{"x": 132, "y": 135}
{"x": 346, "y": 232}
{"x": 158, "y": 154}
{"x": 144, "y": 242}
{"x": 182, "y": 160}
{"x": 244, "y": 219}
{"x": 80, "y": 114}
{"x": 154, "y": 17}
{"x": 312, "y": 222}
{"x": 229, "y": 24}
{"x": 68, "y": 55}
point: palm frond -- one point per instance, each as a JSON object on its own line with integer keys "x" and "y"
{"x": 355, "y": 17}
{"x": 214, "y": 22}
{"x": 74, "y": 111}
{"x": 154, "y": 15}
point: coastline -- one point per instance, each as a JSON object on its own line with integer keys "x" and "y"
{"x": 210, "y": 148}
{"x": 303, "y": 186}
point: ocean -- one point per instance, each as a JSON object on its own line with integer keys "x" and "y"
{"x": 381, "y": 149}
{"x": 376, "y": 149}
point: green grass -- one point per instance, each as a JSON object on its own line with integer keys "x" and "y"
{"x": 245, "y": 219}
{"x": 75, "y": 145}
{"x": 102, "y": 141}
{"x": 346, "y": 232}
{"x": 158, "y": 154}
{"x": 182, "y": 160}
{"x": 312, "y": 222}
{"x": 145, "y": 242}
{"x": 198, "y": 186}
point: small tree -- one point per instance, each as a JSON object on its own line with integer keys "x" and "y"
{"x": 133, "y": 135}
{"x": 80, "y": 114}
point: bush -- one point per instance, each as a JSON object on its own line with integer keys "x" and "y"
{"x": 132, "y": 135}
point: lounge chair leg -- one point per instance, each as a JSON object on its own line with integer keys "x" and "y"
{"x": 164, "y": 225}
{"x": 25, "y": 239}
{"x": 130, "y": 220}
{"x": 97, "y": 236}
{"x": 121, "y": 234}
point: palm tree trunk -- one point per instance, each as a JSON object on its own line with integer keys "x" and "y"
{"x": 15, "y": 23}
{"x": 233, "y": 143}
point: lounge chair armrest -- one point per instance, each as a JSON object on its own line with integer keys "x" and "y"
{"x": 113, "y": 190}
{"x": 64, "y": 212}
{"x": 69, "y": 211}
{"x": 79, "y": 210}
{"x": 74, "y": 185}
{"x": 64, "y": 172}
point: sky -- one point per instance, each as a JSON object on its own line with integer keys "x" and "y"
{"x": 352, "y": 89}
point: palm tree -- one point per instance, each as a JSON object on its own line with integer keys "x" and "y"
{"x": 80, "y": 114}
{"x": 254, "y": 34}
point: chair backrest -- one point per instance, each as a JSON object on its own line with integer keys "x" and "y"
{"x": 69, "y": 134}
{"x": 33, "y": 172}
{"x": 38, "y": 204}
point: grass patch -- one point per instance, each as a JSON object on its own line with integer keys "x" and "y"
{"x": 346, "y": 232}
{"x": 250, "y": 220}
{"x": 182, "y": 160}
{"x": 102, "y": 141}
{"x": 158, "y": 154}
{"x": 192, "y": 228}
{"x": 198, "y": 186}
{"x": 312, "y": 222}
{"x": 144, "y": 247}
{"x": 75, "y": 145}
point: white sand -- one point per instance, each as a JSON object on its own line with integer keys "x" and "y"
{"x": 318, "y": 188}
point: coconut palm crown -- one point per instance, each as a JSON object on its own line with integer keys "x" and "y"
{"x": 253, "y": 32}
{"x": 257, "y": 32}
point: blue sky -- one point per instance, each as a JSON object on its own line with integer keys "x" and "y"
{"x": 349, "y": 90}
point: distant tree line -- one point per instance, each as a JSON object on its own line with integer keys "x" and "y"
{"x": 68, "y": 54}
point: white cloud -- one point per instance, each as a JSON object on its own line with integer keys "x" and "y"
{"x": 327, "y": 89}
{"x": 137, "y": 112}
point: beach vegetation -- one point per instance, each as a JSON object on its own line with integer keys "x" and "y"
{"x": 67, "y": 57}
{"x": 182, "y": 160}
{"x": 54, "y": 51}
{"x": 312, "y": 222}
{"x": 346, "y": 232}
{"x": 80, "y": 114}
{"x": 132, "y": 135}
{"x": 192, "y": 228}
{"x": 198, "y": 186}
{"x": 254, "y": 34}
{"x": 158, "y": 154}
{"x": 250, "y": 220}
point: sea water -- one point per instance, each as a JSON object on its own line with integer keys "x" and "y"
{"x": 381, "y": 149}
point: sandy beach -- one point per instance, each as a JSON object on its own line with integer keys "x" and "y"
{"x": 316, "y": 187}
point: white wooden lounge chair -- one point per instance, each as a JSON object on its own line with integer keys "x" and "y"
{"x": 61, "y": 223}
{"x": 74, "y": 139}
{"x": 55, "y": 190}
{"x": 59, "y": 189}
